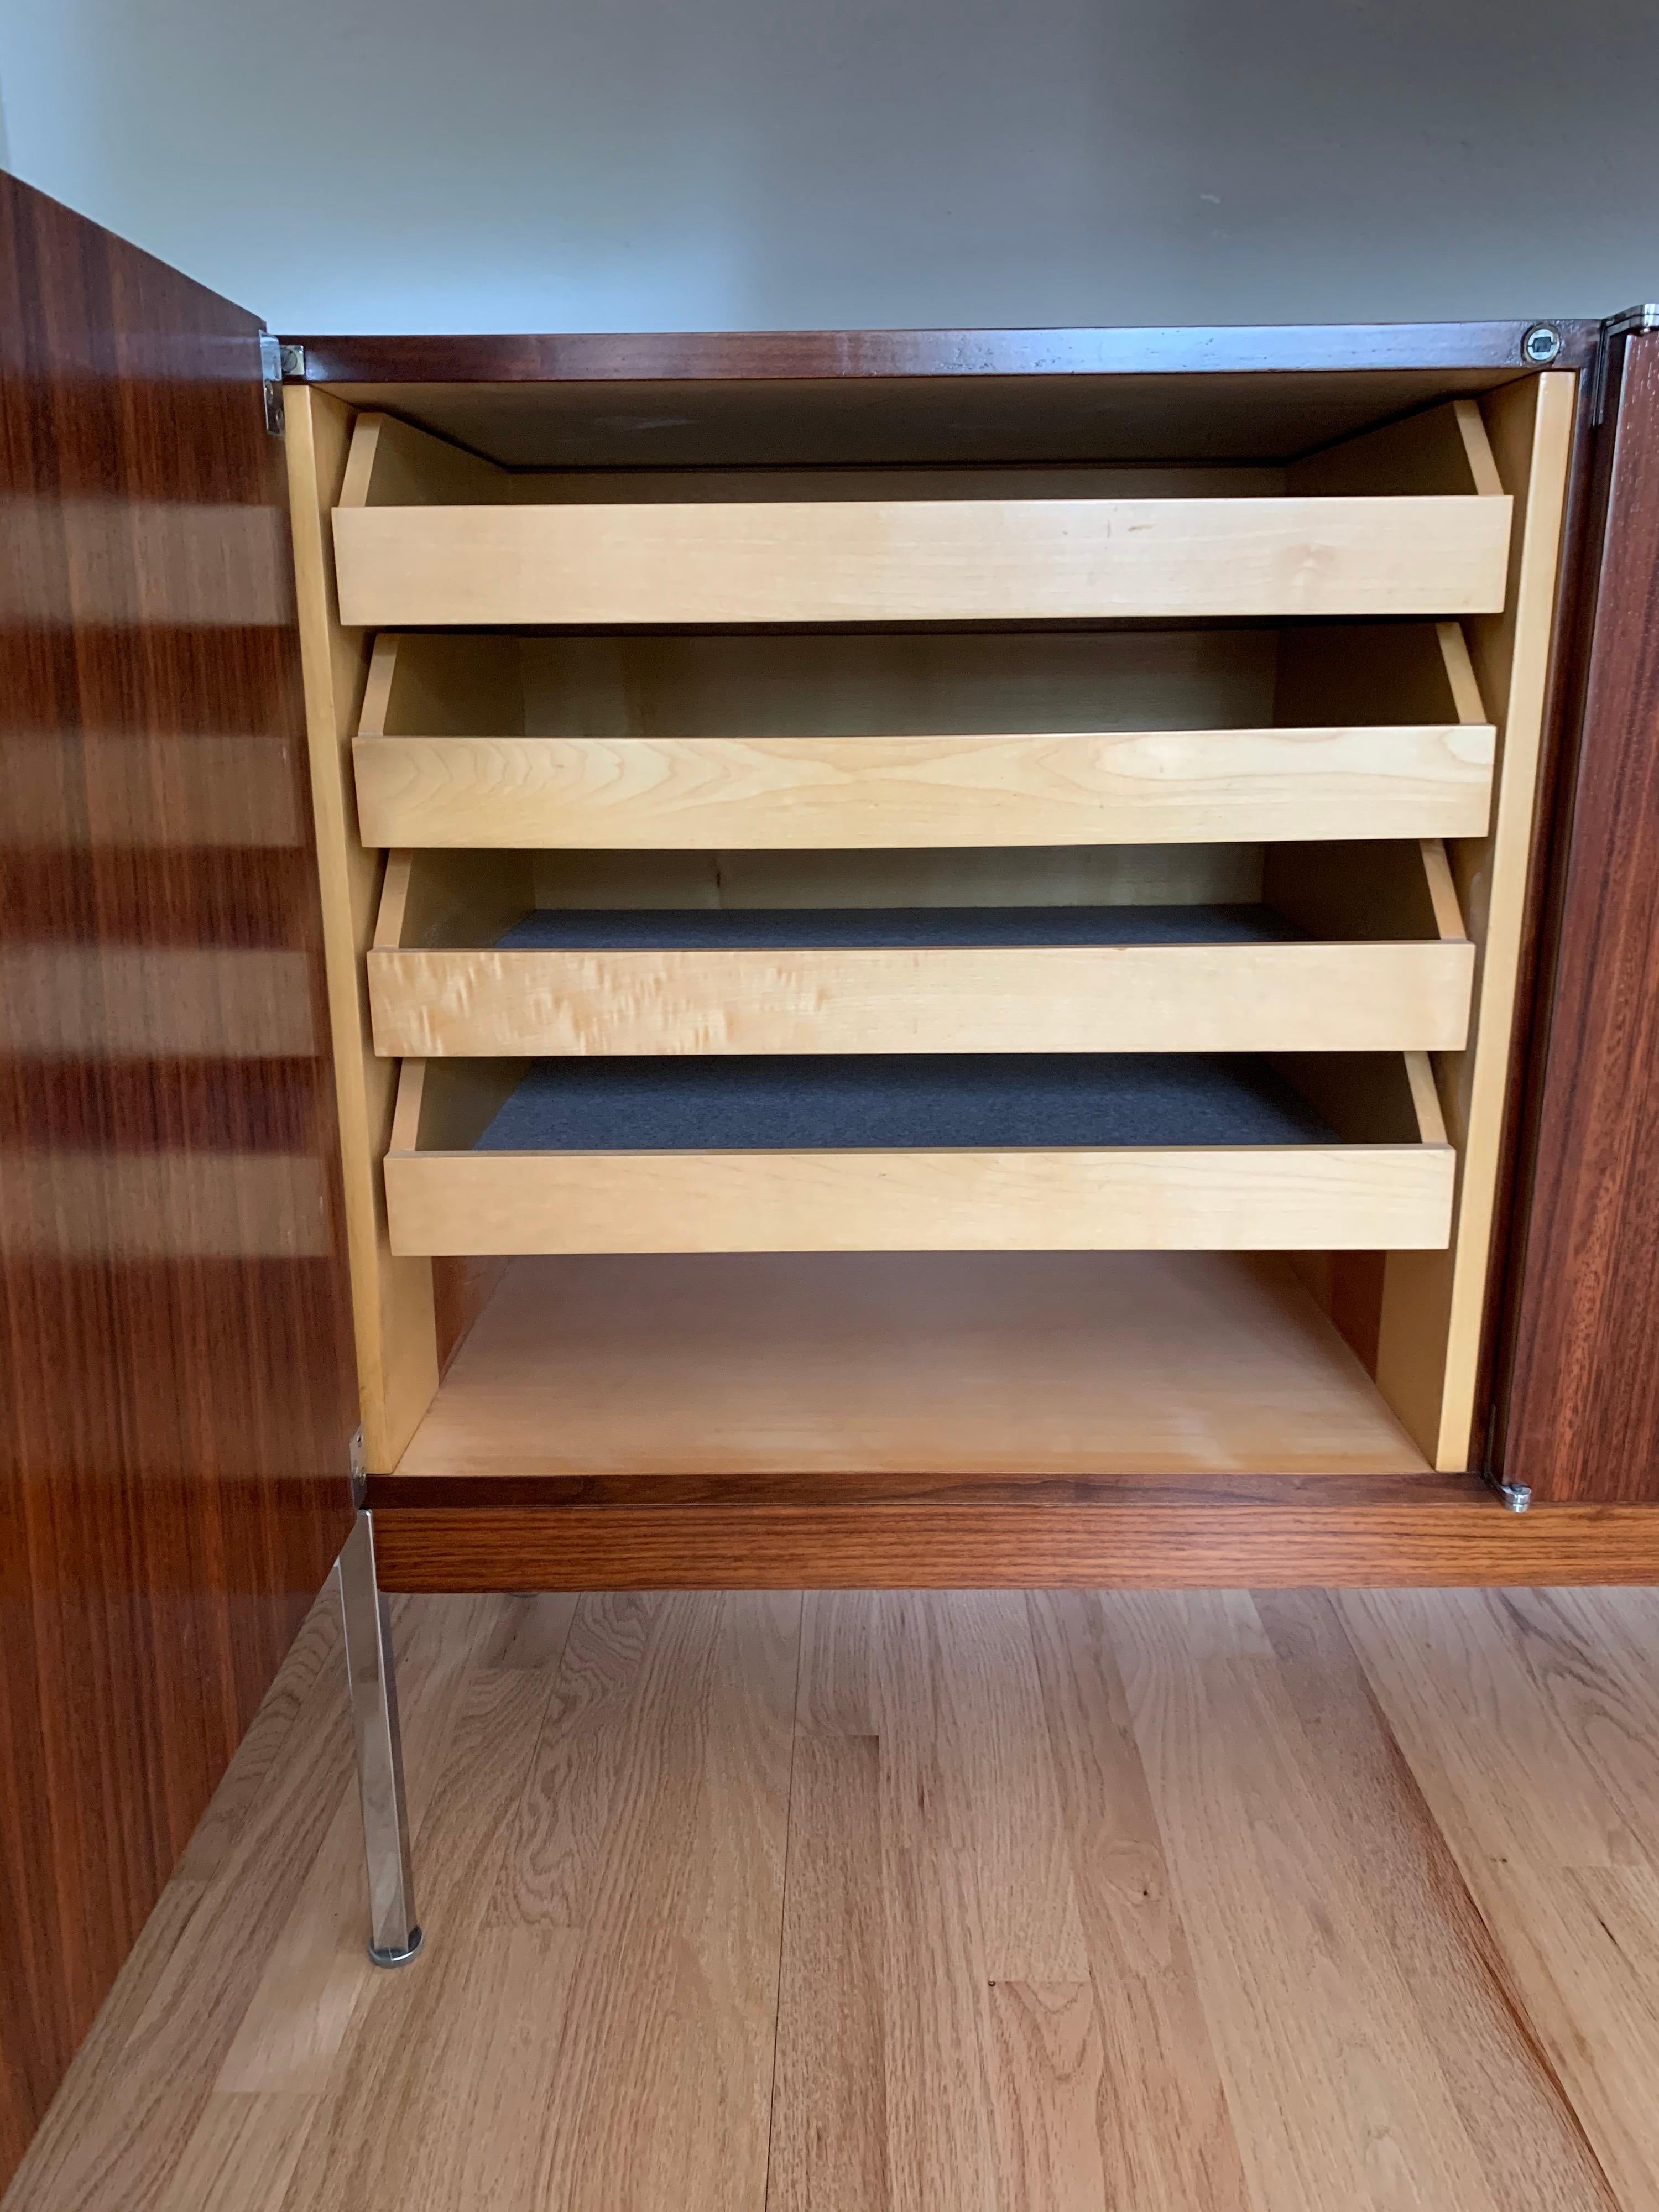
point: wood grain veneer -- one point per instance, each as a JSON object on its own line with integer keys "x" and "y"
{"x": 1430, "y": 1308}
{"x": 392, "y": 1306}
{"x": 802, "y": 740}
{"x": 1461, "y": 1536}
{"x": 1124, "y": 1198}
{"x": 909, "y": 1365}
{"x": 176, "y": 1401}
{"x": 1221, "y": 997}
{"x": 439, "y": 987}
{"x": 1582, "y": 1414}
{"x": 919, "y": 561}
{"x": 681, "y": 399}
{"x": 1053, "y": 788}
{"x": 1438, "y": 351}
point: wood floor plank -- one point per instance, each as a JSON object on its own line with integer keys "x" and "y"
{"x": 108, "y": 2117}
{"x": 1625, "y": 1902}
{"x": 290, "y": 2035}
{"x": 837, "y": 1694}
{"x": 1478, "y": 1674}
{"x": 1165, "y": 2135}
{"x": 939, "y": 2062}
{"x": 1332, "y": 2083}
{"x": 1584, "y": 1968}
{"x": 723, "y": 1894}
{"x": 405, "y": 2079}
{"x": 308, "y": 1671}
{"x": 1543, "y": 1846}
{"x": 829, "y": 2130}
{"x": 508, "y": 2008}
{"x": 469, "y": 2075}
{"x": 673, "y": 1997}
{"x": 240, "y": 2153}
{"x": 918, "y": 1807}
{"x": 1000, "y": 1777}
{"x": 1596, "y": 1651}
{"x": 153, "y": 2073}
{"x": 1524, "y": 2132}
{"x": 561, "y": 1823}
{"x": 1048, "y": 2068}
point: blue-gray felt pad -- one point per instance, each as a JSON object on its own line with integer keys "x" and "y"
{"x": 901, "y": 1101}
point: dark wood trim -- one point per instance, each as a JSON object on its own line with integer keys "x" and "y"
{"x": 1580, "y": 1411}
{"x": 563, "y": 1493}
{"x": 694, "y": 355}
{"x": 1453, "y": 1531}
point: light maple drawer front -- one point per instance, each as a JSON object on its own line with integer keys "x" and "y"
{"x": 1153, "y": 786}
{"x": 1333, "y": 948}
{"x": 1330, "y": 1199}
{"x": 919, "y": 560}
{"x": 453, "y": 1186}
{"x": 793, "y": 741}
{"x": 1191, "y": 998}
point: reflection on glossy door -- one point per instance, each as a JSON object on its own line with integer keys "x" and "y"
{"x": 177, "y": 1389}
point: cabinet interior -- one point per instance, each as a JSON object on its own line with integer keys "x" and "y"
{"x": 1317, "y": 824}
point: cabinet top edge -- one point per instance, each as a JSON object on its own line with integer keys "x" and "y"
{"x": 690, "y": 356}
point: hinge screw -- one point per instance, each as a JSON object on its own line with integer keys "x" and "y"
{"x": 1542, "y": 344}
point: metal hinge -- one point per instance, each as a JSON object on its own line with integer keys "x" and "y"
{"x": 1517, "y": 1496}
{"x": 277, "y": 361}
{"x": 1632, "y": 321}
{"x": 359, "y": 1473}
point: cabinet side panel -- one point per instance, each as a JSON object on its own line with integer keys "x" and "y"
{"x": 1583, "y": 1413}
{"x": 1434, "y": 1303}
{"x": 392, "y": 1310}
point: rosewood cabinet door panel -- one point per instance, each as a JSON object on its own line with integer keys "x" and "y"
{"x": 1582, "y": 1414}
{"x": 176, "y": 1393}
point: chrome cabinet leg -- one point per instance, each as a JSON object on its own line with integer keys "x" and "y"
{"x": 394, "y": 1935}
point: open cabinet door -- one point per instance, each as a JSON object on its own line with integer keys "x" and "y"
{"x": 178, "y": 1391}
{"x": 1579, "y": 1401}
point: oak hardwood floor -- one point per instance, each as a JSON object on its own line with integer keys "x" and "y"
{"x": 1192, "y": 1901}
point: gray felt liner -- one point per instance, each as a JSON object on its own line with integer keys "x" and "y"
{"x": 742, "y": 929}
{"x": 932, "y": 1101}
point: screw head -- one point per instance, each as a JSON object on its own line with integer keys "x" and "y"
{"x": 1542, "y": 344}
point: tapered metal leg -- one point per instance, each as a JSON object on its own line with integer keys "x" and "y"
{"x": 394, "y": 1934}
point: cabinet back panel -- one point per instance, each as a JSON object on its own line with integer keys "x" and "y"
{"x": 875, "y": 683}
{"x": 842, "y": 412}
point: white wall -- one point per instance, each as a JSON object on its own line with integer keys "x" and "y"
{"x": 453, "y": 165}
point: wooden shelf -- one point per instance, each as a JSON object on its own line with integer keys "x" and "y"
{"x": 1125, "y": 1421}
{"x": 847, "y": 1365}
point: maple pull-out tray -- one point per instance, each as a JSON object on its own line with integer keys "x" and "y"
{"x": 1165, "y": 1152}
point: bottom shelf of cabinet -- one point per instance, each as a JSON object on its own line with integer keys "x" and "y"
{"x": 943, "y": 1420}
{"x": 918, "y": 1366}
